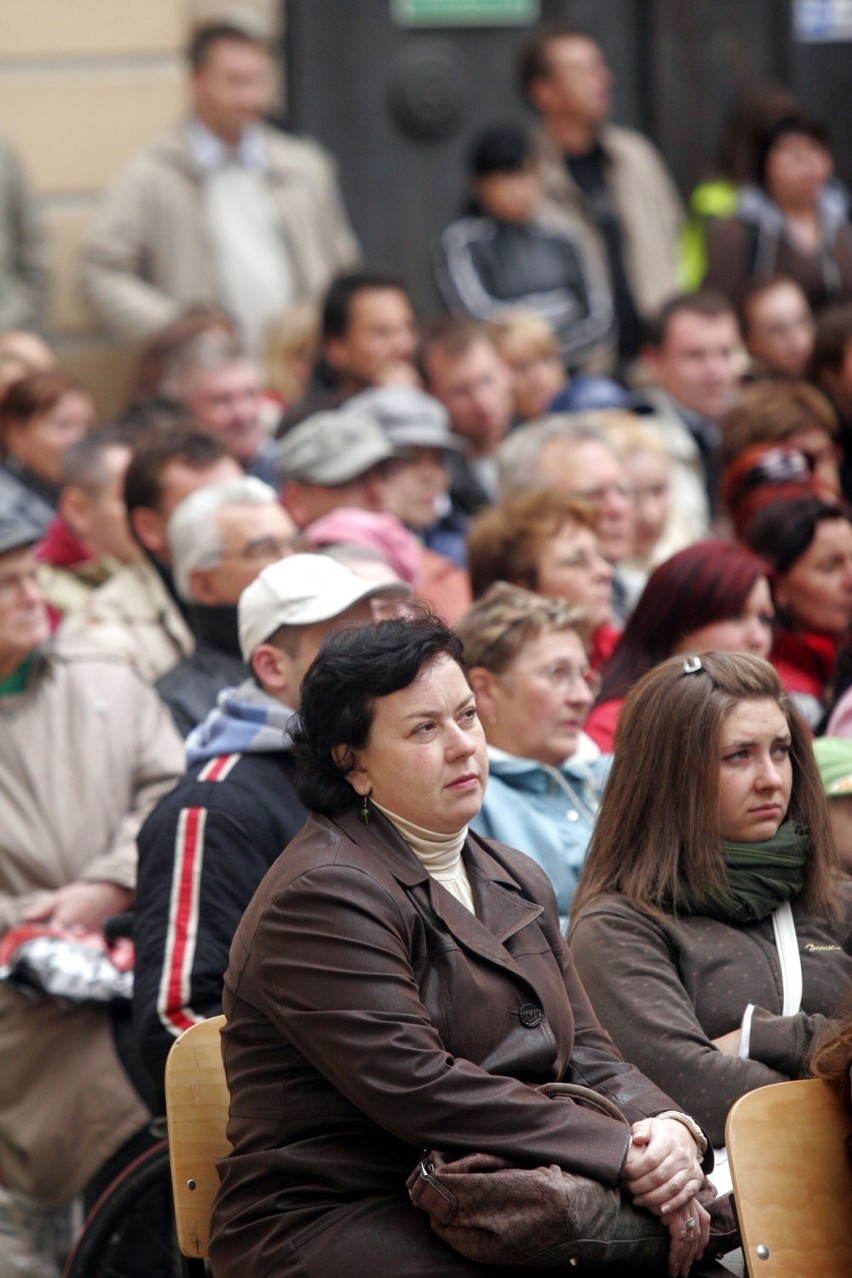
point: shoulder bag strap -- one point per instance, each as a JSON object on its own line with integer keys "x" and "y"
{"x": 787, "y": 945}
{"x": 584, "y": 1096}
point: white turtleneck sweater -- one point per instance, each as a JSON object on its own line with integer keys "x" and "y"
{"x": 439, "y": 854}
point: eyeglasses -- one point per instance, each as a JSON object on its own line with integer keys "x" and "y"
{"x": 561, "y": 675}
{"x": 594, "y": 496}
{"x": 583, "y": 559}
{"x": 261, "y": 548}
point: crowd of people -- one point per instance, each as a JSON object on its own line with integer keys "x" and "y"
{"x": 348, "y": 606}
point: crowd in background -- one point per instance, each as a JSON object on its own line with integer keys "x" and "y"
{"x": 625, "y": 440}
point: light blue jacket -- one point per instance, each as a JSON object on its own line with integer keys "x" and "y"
{"x": 547, "y": 812}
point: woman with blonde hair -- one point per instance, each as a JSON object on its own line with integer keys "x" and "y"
{"x": 527, "y": 343}
{"x": 712, "y": 886}
{"x": 534, "y": 687}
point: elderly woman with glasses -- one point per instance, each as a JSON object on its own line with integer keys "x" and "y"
{"x": 534, "y": 688}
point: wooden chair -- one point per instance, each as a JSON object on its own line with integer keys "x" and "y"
{"x": 789, "y": 1150}
{"x": 197, "y": 1115}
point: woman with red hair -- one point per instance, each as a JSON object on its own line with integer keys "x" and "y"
{"x": 711, "y": 595}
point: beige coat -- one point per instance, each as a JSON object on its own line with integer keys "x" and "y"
{"x": 648, "y": 205}
{"x": 85, "y": 753}
{"x": 148, "y": 256}
{"x": 134, "y": 615}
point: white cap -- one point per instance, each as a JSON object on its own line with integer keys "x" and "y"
{"x": 301, "y": 590}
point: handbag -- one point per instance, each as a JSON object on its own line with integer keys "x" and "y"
{"x": 496, "y": 1213}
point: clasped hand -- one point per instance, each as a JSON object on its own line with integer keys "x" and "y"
{"x": 662, "y": 1173}
{"x": 80, "y": 904}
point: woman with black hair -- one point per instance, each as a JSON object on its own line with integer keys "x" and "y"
{"x": 792, "y": 219}
{"x": 807, "y": 542}
{"x": 399, "y": 983}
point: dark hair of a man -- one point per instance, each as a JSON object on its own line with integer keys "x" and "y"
{"x": 782, "y": 531}
{"x": 707, "y": 302}
{"x": 532, "y": 58}
{"x": 500, "y": 148}
{"x": 453, "y": 336}
{"x": 84, "y": 463}
{"x": 701, "y": 584}
{"x": 353, "y": 669}
{"x": 337, "y": 304}
{"x": 207, "y": 34}
{"x": 659, "y": 819}
{"x": 143, "y": 480}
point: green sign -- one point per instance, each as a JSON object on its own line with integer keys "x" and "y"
{"x": 465, "y": 13}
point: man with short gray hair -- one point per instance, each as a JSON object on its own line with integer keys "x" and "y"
{"x": 571, "y": 454}
{"x": 220, "y": 537}
{"x": 219, "y": 385}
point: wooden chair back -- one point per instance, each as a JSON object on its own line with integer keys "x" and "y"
{"x": 789, "y": 1152}
{"x": 197, "y": 1116}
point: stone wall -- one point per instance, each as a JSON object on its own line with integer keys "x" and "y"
{"x": 83, "y": 85}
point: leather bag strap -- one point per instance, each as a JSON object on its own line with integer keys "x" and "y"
{"x": 584, "y": 1096}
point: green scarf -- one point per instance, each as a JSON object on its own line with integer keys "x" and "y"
{"x": 760, "y": 877}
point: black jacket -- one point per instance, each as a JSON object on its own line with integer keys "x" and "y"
{"x": 202, "y": 853}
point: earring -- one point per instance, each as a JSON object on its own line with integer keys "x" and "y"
{"x": 365, "y": 811}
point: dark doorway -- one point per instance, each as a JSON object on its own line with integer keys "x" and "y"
{"x": 398, "y": 105}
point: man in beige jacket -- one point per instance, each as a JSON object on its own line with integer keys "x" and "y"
{"x": 224, "y": 210}
{"x": 86, "y": 750}
{"x": 612, "y": 178}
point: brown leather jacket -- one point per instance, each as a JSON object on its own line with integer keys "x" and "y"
{"x": 371, "y": 1015}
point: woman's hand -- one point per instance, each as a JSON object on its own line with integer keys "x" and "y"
{"x": 662, "y": 1171}
{"x": 728, "y": 1044}
{"x": 687, "y": 1243}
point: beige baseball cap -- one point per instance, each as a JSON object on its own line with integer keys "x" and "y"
{"x": 301, "y": 590}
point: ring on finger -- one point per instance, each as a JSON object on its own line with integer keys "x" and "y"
{"x": 690, "y": 1223}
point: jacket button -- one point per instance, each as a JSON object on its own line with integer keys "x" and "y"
{"x": 530, "y": 1015}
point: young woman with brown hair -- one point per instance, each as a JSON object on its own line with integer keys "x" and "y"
{"x": 712, "y": 846}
